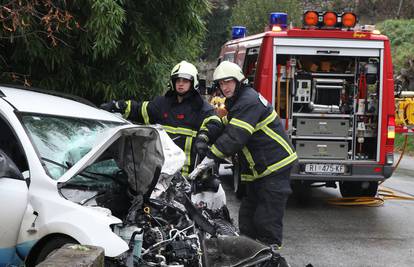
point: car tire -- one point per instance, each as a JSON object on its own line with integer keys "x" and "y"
{"x": 51, "y": 246}
{"x": 358, "y": 189}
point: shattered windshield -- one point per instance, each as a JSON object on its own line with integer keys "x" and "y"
{"x": 61, "y": 141}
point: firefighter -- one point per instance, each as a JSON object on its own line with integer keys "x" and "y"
{"x": 188, "y": 119}
{"x": 254, "y": 131}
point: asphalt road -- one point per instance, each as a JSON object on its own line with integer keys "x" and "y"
{"x": 325, "y": 235}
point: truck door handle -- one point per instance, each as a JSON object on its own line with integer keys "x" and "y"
{"x": 329, "y": 52}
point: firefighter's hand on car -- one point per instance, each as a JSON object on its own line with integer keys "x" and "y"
{"x": 204, "y": 165}
{"x": 114, "y": 106}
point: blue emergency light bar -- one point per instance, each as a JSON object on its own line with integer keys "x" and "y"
{"x": 238, "y": 32}
{"x": 278, "y": 19}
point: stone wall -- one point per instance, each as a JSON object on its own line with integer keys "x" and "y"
{"x": 75, "y": 255}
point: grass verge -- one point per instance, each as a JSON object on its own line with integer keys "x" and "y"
{"x": 399, "y": 142}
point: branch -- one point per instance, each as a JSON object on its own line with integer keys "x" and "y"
{"x": 17, "y": 15}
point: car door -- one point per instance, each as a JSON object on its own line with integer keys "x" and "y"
{"x": 13, "y": 202}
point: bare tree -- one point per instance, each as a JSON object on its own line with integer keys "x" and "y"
{"x": 42, "y": 19}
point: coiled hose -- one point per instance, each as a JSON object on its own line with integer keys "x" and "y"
{"x": 384, "y": 193}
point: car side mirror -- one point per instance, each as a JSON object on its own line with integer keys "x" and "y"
{"x": 8, "y": 168}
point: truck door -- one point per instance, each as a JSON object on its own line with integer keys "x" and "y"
{"x": 250, "y": 64}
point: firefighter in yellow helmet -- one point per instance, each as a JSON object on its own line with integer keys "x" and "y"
{"x": 253, "y": 131}
{"x": 188, "y": 119}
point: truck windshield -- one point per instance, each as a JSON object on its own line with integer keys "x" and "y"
{"x": 61, "y": 141}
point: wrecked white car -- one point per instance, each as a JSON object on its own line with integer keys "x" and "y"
{"x": 68, "y": 171}
{"x": 71, "y": 173}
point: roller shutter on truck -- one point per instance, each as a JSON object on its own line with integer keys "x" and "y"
{"x": 323, "y": 108}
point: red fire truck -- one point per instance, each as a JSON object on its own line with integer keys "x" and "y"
{"x": 331, "y": 83}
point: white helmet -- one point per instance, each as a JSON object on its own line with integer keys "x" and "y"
{"x": 227, "y": 70}
{"x": 185, "y": 70}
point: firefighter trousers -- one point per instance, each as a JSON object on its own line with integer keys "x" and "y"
{"x": 262, "y": 209}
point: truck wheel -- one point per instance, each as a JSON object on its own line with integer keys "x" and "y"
{"x": 358, "y": 189}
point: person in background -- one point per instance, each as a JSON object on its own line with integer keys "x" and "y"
{"x": 188, "y": 119}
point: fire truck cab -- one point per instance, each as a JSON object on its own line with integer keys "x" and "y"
{"x": 331, "y": 83}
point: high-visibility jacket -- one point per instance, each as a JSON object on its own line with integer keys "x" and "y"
{"x": 182, "y": 121}
{"x": 254, "y": 131}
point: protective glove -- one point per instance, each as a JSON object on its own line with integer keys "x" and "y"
{"x": 205, "y": 164}
{"x": 114, "y": 106}
{"x": 201, "y": 145}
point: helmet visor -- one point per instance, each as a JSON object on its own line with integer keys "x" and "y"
{"x": 182, "y": 75}
{"x": 225, "y": 79}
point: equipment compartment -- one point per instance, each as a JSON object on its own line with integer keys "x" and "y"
{"x": 329, "y": 104}
{"x": 321, "y": 149}
{"x": 323, "y": 127}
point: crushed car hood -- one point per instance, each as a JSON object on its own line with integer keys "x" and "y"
{"x": 142, "y": 151}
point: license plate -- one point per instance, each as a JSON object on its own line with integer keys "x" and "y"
{"x": 324, "y": 168}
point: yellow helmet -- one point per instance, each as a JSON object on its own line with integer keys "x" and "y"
{"x": 228, "y": 70}
{"x": 185, "y": 70}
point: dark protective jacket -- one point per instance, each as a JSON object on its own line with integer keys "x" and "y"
{"x": 253, "y": 130}
{"x": 182, "y": 121}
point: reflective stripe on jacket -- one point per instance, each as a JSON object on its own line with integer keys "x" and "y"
{"x": 182, "y": 121}
{"x": 254, "y": 131}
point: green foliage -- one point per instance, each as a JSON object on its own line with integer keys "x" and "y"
{"x": 333, "y": 5}
{"x": 106, "y": 20}
{"x": 122, "y": 48}
{"x": 217, "y": 32}
{"x": 401, "y": 35}
{"x": 254, "y": 14}
{"x": 399, "y": 144}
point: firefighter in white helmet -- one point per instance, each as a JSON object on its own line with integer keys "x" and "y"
{"x": 253, "y": 131}
{"x": 181, "y": 111}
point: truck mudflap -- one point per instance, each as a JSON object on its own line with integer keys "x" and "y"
{"x": 369, "y": 171}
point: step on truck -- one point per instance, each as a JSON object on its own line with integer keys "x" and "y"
{"x": 331, "y": 83}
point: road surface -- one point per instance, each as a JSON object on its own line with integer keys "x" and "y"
{"x": 325, "y": 235}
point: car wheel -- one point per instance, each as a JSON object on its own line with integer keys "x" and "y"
{"x": 358, "y": 189}
{"x": 51, "y": 246}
